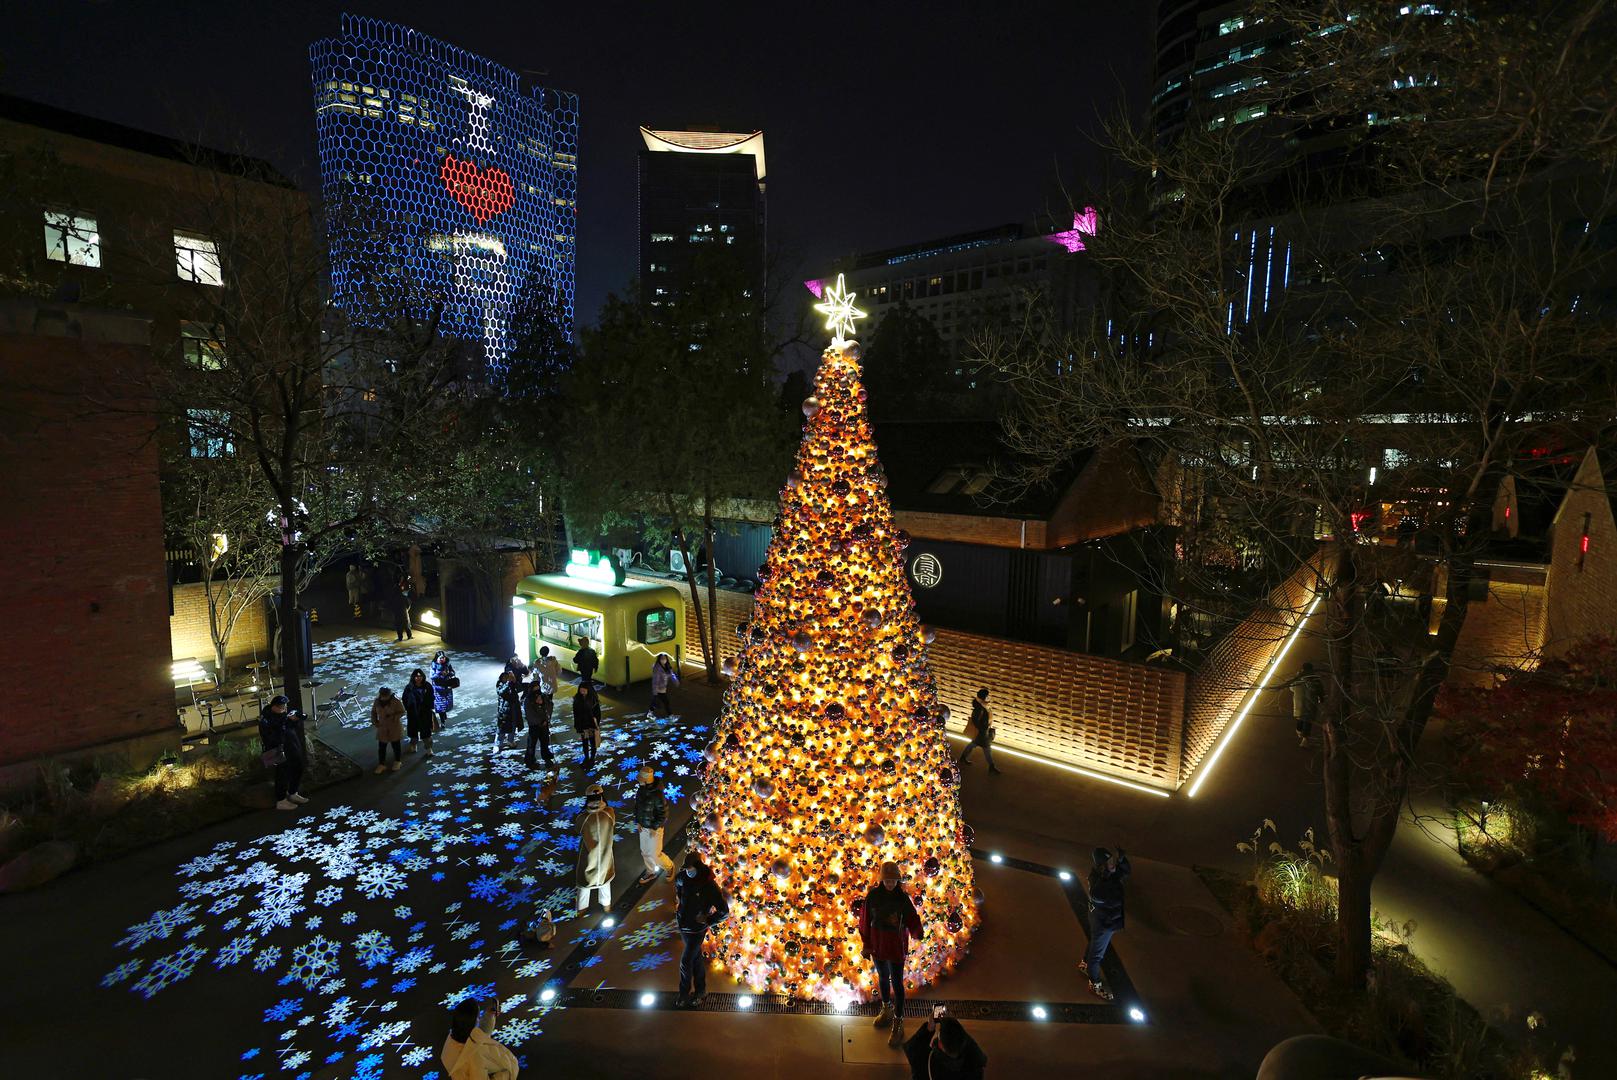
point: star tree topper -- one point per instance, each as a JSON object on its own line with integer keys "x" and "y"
{"x": 839, "y": 313}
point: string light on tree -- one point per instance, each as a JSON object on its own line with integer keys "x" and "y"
{"x": 829, "y": 756}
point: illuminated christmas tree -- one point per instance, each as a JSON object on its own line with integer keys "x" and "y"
{"x": 829, "y": 755}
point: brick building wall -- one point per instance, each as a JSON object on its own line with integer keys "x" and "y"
{"x": 189, "y": 634}
{"x": 1106, "y": 715}
{"x": 1582, "y": 585}
{"x": 1503, "y": 628}
{"x": 1236, "y": 663}
{"x": 83, "y": 574}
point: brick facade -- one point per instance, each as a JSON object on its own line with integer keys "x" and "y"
{"x": 189, "y": 634}
{"x": 1582, "y": 585}
{"x": 83, "y": 573}
{"x": 1502, "y": 629}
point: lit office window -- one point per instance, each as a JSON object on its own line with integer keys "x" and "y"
{"x": 196, "y": 258}
{"x": 201, "y": 347}
{"x": 208, "y": 433}
{"x": 72, "y": 238}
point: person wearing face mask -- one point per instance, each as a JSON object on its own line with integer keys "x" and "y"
{"x": 887, "y": 922}
{"x": 699, "y": 903}
{"x": 940, "y": 1049}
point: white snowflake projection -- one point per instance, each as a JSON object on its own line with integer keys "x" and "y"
{"x": 373, "y": 948}
{"x": 312, "y": 961}
{"x": 379, "y": 880}
{"x": 647, "y": 936}
{"x": 470, "y": 846}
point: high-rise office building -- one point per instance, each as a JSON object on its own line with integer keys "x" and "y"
{"x": 475, "y": 174}
{"x": 699, "y": 188}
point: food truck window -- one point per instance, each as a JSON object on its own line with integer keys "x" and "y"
{"x": 656, "y": 626}
{"x": 565, "y": 628}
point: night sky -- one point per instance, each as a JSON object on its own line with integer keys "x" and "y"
{"x": 884, "y": 124}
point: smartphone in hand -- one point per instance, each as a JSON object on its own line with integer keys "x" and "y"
{"x": 938, "y": 1011}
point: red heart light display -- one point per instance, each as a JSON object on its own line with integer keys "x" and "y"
{"x": 485, "y": 193}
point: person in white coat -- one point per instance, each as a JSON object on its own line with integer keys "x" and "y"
{"x": 547, "y": 673}
{"x": 596, "y": 866}
{"x": 470, "y": 1052}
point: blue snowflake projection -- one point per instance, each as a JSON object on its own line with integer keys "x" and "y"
{"x": 411, "y": 903}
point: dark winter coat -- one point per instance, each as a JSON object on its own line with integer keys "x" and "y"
{"x": 650, "y": 806}
{"x": 586, "y": 712}
{"x": 443, "y": 694}
{"x": 699, "y": 902}
{"x": 585, "y": 661}
{"x": 1106, "y": 896}
{"x": 887, "y": 922}
{"x": 980, "y": 725}
{"x": 508, "y": 703}
{"x": 537, "y": 707}
{"x": 930, "y": 1064}
{"x": 279, "y": 730}
{"x": 417, "y": 702}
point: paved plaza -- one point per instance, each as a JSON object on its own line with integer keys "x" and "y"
{"x": 330, "y": 942}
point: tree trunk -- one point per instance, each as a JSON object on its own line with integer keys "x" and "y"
{"x": 712, "y": 590}
{"x": 1353, "y": 920}
{"x": 291, "y": 625}
{"x": 696, "y": 603}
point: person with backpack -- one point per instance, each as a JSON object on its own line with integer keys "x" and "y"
{"x": 418, "y": 714}
{"x": 663, "y": 678}
{"x": 587, "y": 721}
{"x": 1106, "y": 883}
{"x": 699, "y": 904}
{"x": 650, "y": 814}
{"x": 387, "y": 717}
{"x": 980, "y": 730}
{"x": 887, "y": 922}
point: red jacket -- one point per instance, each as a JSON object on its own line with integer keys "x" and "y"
{"x": 887, "y": 922}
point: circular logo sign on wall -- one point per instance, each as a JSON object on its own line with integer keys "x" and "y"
{"x": 926, "y": 570}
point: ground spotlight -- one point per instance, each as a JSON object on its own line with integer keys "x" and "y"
{"x": 1065, "y": 876}
{"x": 647, "y": 1000}
{"x": 744, "y": 1001}
{"x": 1039, "y": 1013}
{"x": 609, "y": 922}
{"x": 1136, "y": 1014}
{"x": 996, "y": 858}
{"x": 548, "y": 994}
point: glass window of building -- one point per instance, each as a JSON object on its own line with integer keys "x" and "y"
{"x": 196, "y": 258}
{"x": 72, "y": 238}
{"x": 207, "y": 433}
{"x": 201, "y": 347}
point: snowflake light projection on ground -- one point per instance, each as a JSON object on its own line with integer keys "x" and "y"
{"x": 415, "y": 910}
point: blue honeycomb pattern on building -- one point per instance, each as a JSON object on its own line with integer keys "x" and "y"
{"x": 475, "y": 177}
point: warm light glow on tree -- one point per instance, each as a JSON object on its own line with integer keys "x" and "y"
{"x": 829, "y": 755}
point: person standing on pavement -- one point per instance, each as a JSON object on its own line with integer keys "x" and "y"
{"x": 585, "y": 662}
{"x": 418, "y": 702}
{"x": 444, "y": 681}
{"x": 887, "y": 922}
{"x": 941, "y": 1049}
{"x": 507, "y": 708}
{"x": 537, "y": 707}
{"x": 352, "y": 582}
{"x": 587, "y": 721}
{"x": 1106, "y": 883}
{"x": 387, "y": 717}
{"x": 663, "y": 678}
{"x": 283, "y": 748}
{"x": 470, "y": 1052}
{"x": 699, "y": 903}
{"x": 401, "y": 609}
{"x": 1307, "y": 690}
{"x": 650, "y": 814}
{"x": 596, "y": 866}
{"x": 980, "y": 730}
{"x": 547, "y": 673}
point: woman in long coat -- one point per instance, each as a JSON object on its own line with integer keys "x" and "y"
{"x": 596, "y": 866}
{"x": 418, "y": 702}
{"x": 444, "y": 682}
{"x": 387, "y": 717}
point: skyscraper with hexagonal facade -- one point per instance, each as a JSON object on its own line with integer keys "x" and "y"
{"x": 473, "y": 176}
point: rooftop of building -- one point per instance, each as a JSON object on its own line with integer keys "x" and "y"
{"x": 699, "y": 139}
{"x": 963, "y": 467}
{"x": 94, "y": 129}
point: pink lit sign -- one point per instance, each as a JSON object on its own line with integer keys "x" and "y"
{"x": 815, "y": 286}
{"x": 1084, "y": 224}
